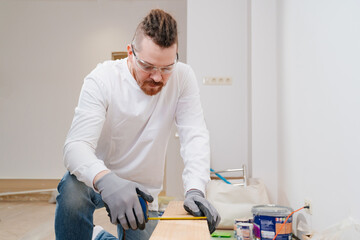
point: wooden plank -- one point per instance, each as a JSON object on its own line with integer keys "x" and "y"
{"x": 180, "y": 229}
{"x": 26, "y": 189}
{"x": 118, "y": 55}
{"x": 18, "y": 185}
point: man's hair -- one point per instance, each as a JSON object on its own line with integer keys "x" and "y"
{"x": 160, "y": 26}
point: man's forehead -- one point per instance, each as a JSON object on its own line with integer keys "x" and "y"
{"x": 155, "y": 54}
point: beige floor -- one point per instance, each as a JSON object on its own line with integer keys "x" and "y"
{"x": 35, "y": 221}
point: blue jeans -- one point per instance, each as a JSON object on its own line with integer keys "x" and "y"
{"x": 75, "y": 206}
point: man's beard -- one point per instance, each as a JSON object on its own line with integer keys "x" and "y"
{"x": 150, "y": 90}
{"x": 150, "y": 87}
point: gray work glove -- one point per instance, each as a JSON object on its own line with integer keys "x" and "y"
{"x": 121, "y": 200}
{"x": 196, "y": 204}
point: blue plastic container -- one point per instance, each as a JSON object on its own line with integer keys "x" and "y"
{"x": 268, "y": 220}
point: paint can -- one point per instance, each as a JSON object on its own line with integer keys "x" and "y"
{"x": 243, "y": 229}
{"x": 268, "y": 220}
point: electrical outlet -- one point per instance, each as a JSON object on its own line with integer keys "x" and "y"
{"x": 217, "y": 81}
{"x": 307, "y": 202}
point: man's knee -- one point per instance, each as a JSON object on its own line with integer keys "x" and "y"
{"x": 73, "y": 193}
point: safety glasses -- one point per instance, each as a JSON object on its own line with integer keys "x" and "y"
{"x": 149, "y": 68}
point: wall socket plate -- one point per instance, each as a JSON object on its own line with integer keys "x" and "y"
{"x": 217, "y": 80}
{"x": 307, "y": 202}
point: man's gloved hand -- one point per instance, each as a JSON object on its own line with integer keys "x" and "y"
{"x": 121, "y": 200}
{"x": 196, "y": 204}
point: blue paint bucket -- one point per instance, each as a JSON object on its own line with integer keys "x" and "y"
{"x": 268, "y": 220}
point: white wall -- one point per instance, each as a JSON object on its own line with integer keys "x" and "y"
{"x": 264, "y": 86}
{"x": 305, "y": 105}
{"x": 218, "y": 46}
{"x": 319, "y": 108}
{"x": 315, "y": 104}
{"x": 47, "y": 48}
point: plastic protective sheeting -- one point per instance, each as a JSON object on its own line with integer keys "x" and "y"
{"x": 235, "y": 202}
{"x": 348, "y": 229}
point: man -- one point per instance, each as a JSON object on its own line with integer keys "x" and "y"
{"x": 115, "y": 149}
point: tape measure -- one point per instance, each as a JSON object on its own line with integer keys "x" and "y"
{"x": 145, "y": 209}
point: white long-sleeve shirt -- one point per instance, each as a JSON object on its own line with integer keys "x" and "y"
{"x": 117, "y": 126}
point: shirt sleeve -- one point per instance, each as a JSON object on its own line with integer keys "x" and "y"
{"x": 193, "y": 134}
{"x": 81, "y": 141}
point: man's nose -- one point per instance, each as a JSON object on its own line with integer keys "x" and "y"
{"x": 156, "y": 75}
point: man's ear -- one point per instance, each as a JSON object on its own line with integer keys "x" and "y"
{"x": 129, "y": 50}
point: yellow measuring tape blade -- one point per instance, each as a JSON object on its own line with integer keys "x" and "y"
{"x": 177, "y": 218}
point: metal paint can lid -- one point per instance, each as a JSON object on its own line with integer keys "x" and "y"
{"x": 243, "y": 220}
{"x": 271, "y": 210}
